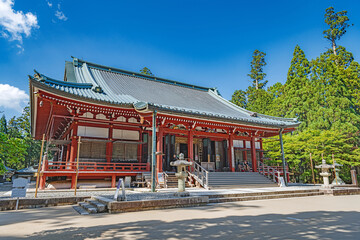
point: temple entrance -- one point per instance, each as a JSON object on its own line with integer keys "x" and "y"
{"x": 184, "y": 149}
{"x": 169, "y": 151}
{"x": 214, "y": 156}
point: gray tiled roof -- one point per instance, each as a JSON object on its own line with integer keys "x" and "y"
{"x": 124, "y": 87}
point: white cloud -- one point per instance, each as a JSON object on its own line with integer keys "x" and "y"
{"x": 12, "y": 97}
{"x": 60, "y": 15}
{"x": 15, "y": 24}
{"x": 49, "y": 3}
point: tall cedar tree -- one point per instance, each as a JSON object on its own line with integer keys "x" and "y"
{"x": 333, "y": 80}
{"x": 296, "y": 87}
{"x": 338, "y": 23}
{"x": 257, "y": 73}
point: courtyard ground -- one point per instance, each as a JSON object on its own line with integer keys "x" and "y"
{"x": 320, "y": 217}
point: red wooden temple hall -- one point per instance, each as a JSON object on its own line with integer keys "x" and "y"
{"x": 112, "y": 110}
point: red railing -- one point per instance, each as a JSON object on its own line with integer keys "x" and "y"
{"x": 97, "y": 166}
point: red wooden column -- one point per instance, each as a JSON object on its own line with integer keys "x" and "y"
{"x": 253, "y": 154}
{"x": 231, "y": 153}
{"x": 191, "y": 145}
{"x": 73, "y": 151}
{"x": 109, "y": 145}
{"x": 261, "y": 150}
{"x": 73, "y": 148}
{"x": 159, "y": 148}
{"x": 67, "y": 153}
{"x": 139, "y": 147}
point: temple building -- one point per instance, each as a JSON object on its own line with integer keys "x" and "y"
{"x": 115, "y": 111}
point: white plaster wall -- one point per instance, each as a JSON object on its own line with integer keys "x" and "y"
{"x": 125, "y": 134}
{"x": 93, "y": 132}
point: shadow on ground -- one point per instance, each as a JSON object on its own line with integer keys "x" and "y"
{"x": 306, "y": 225}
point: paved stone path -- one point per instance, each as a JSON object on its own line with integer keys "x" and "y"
{"x": 319, "y": 217}
{"x": 141, "y": 193}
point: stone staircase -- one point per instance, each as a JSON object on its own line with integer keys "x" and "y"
{"x": 235, "y": 197}
{"x": 92, "y": 205}
{"x": 238, "y": 180}
{"x": 172, "y": 181}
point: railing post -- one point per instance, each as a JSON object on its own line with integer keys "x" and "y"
{"x": 278, "y": 179}
{"x": 207, "y": 178}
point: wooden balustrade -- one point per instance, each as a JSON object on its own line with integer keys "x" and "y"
{"x": 96, "y": 166}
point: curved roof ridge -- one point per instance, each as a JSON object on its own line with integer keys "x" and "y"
{"x": 43, "y": 78}
{"x": 143, "y": 76}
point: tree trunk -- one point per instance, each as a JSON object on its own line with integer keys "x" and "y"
{"x": 334, "y": 47}
{"x": 257, "y": 84}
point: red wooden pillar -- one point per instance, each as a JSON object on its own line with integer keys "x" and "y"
{"x": 113, "y": 181}
{"x": 139, "y": 148}
{"x": 43, "y": 176}
{"x": 244, "y": 152}
{"x": 73, "y": 149}
{"x": 253, "y": 154}
{"x": 73, "y": 181}
{"x": 261, "y": 151}
{"x": 159, "y": 148}
{"x": 191, "y": 145}
{"x": 231, "y": 153}
{"x": 109, "y": 145}
{"x": 67, "y": 153}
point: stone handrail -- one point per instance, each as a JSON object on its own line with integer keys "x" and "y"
{"x": 200, "y": 174}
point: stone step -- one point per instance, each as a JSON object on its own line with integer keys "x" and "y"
{"x": 99, "y": 206}
{"x": 80, "y": 210}
{"x": 102, "y": 200}
{"x": 262, "y": 197}
{"x": 88, "y": 207}
{"x": 263, "y": 193}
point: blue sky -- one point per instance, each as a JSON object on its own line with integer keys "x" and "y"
{"x": 208, "y": 43}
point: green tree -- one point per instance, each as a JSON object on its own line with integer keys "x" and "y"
{"x": 298, "y": 147}
{"x": 146, "y": 71}
{"x": 338, "y": 22}
{"x": 333, "y": 81}
{"x": 3, "y": 124}
{"x": 257, "y": 73}
{"x": 239, "y": 98}
{"x": 294, "y": 98}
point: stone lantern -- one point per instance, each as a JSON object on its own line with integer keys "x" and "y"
{"x": 325, "y": 173}
{"x": 181, "y": 174}
{"x": 337, "y": 180}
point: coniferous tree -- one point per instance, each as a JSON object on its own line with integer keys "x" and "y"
{"x": 294, "y": 98}
{"x": 146, "y": 71}
{"x": 257, "y": 74}
{"x": 338, "y": 23}
{"x": 3, "y": 124}
{"x": 239, "y": 98}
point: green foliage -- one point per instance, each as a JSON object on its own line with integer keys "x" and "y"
{"x": 146, "y": 71}
{"x": 17, "y": 149}
{"x": 338, "y": 22}
{"x": 257, "y": 73}
{"x": 324, "y": 94}
{"x": 298, "y": 147}
{"x": 239, "y": 98}
{"x": 3, "y": 124}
